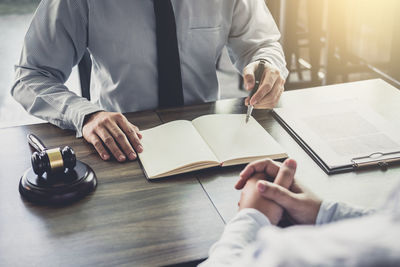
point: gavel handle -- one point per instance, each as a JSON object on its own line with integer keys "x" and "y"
{"x": 36, "y": 143}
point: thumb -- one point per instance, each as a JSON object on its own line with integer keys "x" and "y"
{"x": 282, "y": 196}
{"x": 248, "y": 76}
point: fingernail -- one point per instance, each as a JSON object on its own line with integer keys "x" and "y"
{"x": 140, "y": 148}
{"x": 121, "y": 158}
{"x": 105, "y": 157}
{"x": 132, "y": 156}
{"x": 261, "y": 187}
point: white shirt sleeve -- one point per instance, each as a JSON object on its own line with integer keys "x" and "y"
{"x": 373, "y": 240}
{"x": 335, "y": 211}
{"x": 254, "y": 35}
{"x": 55, "y": 42}
{"x": 366, "y": 241}
{"x": 239, "y": 233}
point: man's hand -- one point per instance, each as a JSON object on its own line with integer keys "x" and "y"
{"x": 267, "y": 166}
{"x": 251, "y": 197}
{"x": 114, "y": 131}
{"x": 271, "y": 86}
{"x": 301, "y": 205}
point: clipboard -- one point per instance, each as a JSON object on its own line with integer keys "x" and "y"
{"x": 378, "y": 159}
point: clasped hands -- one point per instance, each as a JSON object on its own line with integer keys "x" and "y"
{"x": 272, "y": 198}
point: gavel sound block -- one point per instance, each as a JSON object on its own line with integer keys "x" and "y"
{"x": 56, "y": 177}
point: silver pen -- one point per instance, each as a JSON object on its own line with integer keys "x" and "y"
{"x": 258, "y": 76}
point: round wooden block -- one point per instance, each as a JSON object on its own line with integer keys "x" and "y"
{"x": 58, "y": 188}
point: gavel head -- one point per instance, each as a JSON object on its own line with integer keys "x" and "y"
{"x": 53, "y": 160}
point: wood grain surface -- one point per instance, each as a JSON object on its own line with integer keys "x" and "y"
{"x": 131, "y": 221}
{"x": 126, "y": 221}
{"x": 368, "y": 188}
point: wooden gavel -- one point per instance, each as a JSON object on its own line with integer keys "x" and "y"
{"x": 50, "y": 160}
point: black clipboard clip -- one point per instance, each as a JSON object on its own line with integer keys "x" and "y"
{"x": 377, "y": 159}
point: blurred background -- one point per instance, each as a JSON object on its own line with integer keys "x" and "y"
{"x": 325, "y": 42}
{"x": 331, "y": 41}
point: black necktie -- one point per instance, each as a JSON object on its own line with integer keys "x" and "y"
{"x": 170, "y": 92}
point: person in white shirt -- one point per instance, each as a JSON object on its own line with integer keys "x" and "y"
{"x": 127, "y": 42}
{"x": 326, "y": 234}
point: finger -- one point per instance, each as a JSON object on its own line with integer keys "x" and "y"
{"x": 266, "y": 166}
{"x": 122, "y": 140}
{"x": 246, "y": 101}
{"x": 98, "y": 145}
{"x": 138, "y": 133}
{"x": 285, "y": 175}
{"x": 248, "y": 76}
{"x": 131, "y": 132}
{"x": 266, "y": 86}
{"x": 280, "y": 91}
{"x": 271, "y": 99}
{"x": 109, "y": 141}
{"x": 135, "y": 140}
{"x": 277, "y": 193}
{"x": 280, "y": 87}
{"x": 295, "y": 188}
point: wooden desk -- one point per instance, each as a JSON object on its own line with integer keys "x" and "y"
{"x": 127, "y": 221}
{"x": 367, "y": 188}
{"x": 130, "y": 221}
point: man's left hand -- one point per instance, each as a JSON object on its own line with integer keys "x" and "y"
{"x": 271, "y": 86}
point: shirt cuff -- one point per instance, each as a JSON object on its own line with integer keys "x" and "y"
{"x": 259, "y": 218}
{"x": 241, "y": 231}
{"x": 335, "y": 211}
{"x": 78, "y": 112}
{"x": 323, "y": 214}
{"x": 283, "y": 71}
{"x": 245, "y": 225}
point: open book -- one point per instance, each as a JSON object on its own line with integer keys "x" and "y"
{"x": 207, "y": 141}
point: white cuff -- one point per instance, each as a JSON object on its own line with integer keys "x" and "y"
{"x": 256, "y": 215}
{"x": 243, "y": 228}
{"x": 239, "y": 233}
{"x": 334, "y": 211}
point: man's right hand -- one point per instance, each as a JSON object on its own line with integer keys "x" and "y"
{"x": 113, "y": 131}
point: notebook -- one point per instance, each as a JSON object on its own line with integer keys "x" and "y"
{"x": 208, "y": 141}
